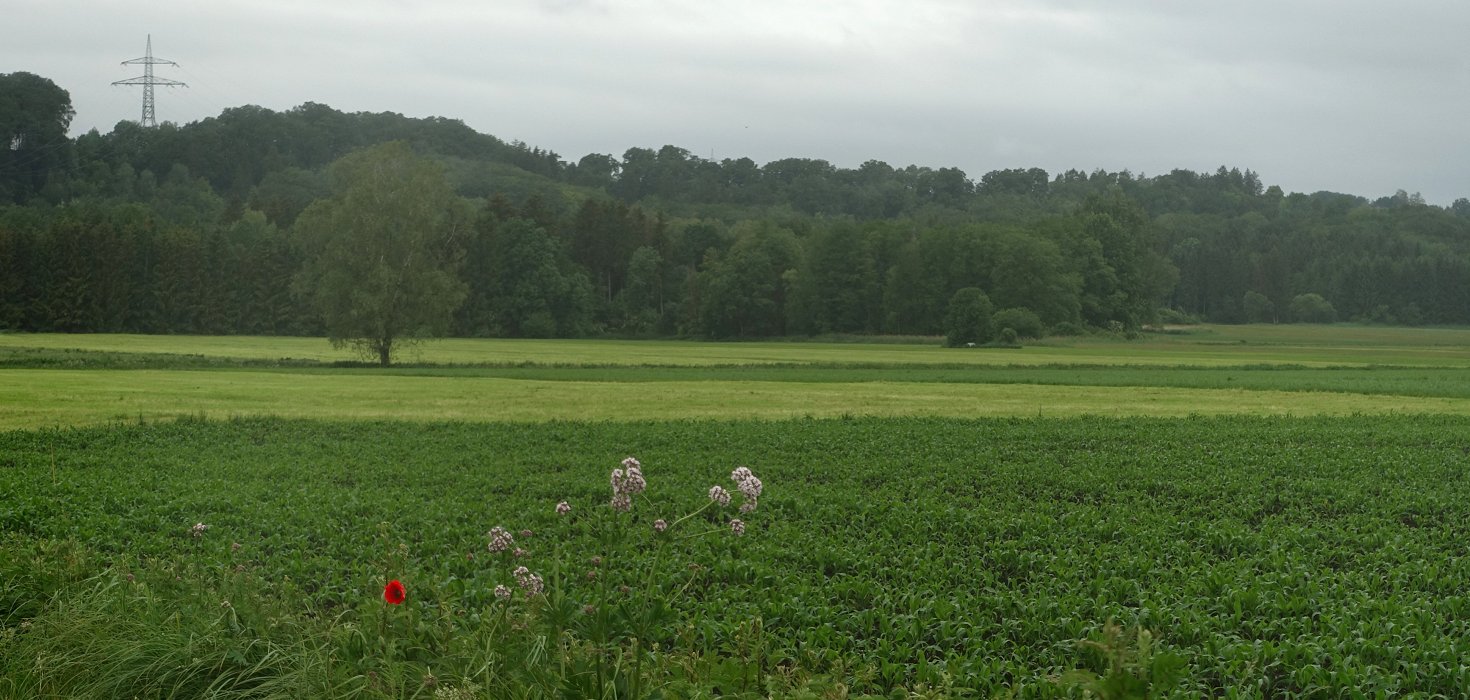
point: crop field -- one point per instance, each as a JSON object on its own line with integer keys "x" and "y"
{"x": 216, "y": 521}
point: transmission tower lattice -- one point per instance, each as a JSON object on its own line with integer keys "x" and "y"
{"x": 148, "y": 81}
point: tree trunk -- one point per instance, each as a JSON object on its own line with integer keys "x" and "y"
{"x": 384, "y": 352}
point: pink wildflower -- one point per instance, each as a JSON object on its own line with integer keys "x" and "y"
{"x": 198, "y": 529}
{"x": 626, "y": 481}
{"x": 502, "y": 592}
{"x": 500, "y": 539}
{"x": 737, "y": 526}
{"x": 659, "y": 525}
{"x": 563, "y": 508}
{"x": 532, "y": 583}
{"x": 526, "y": 534}
{"x": 519, "y": 553}
{"x": 634, "y": 482}
{"x": 750, "y": 487}
{"x": 719, "y": 495}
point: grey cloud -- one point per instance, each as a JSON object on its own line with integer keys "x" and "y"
{"x": 1351, "y": 96}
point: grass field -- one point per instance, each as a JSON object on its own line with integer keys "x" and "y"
{"x": 52, "y": 380}
{"x": 1307, "y": 346}
{"x": 1284, "y": 508}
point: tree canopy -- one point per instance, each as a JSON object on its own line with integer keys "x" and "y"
{"x": 381, "y": 251}
{"x": 202, "y": 228}
{"x": 34, "y": 148}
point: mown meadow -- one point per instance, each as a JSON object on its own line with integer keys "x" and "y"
{"x": 1306, "y": 544}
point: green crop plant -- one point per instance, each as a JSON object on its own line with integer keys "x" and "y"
{"x": 940, "y": 557}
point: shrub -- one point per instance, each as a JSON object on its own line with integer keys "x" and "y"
{"x": 1067, "y": 328}
{"x": 1022, "y": 322}
{"x": 967, "y": 320}
{"x": 1312, "y": 308}
{"x": 1258, "y": 308}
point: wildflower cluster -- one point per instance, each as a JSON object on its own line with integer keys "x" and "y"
{"x": 198, "y": 530}
{"x": 531, "y": 583}
{"x": 500, "y": 539}
{"x": 627, "y": 480}
{"x": 749, "y": 486}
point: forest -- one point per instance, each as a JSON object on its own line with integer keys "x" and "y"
{"x": 193, "y": 229}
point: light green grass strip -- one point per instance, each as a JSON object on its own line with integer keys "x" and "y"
{"x": 39, "y": 398}
{"x": 1306, "y": 346}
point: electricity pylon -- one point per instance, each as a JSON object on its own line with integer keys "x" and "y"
{"x": 148, "y": 81}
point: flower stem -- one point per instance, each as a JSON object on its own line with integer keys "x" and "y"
{"x": 697, "y": 511}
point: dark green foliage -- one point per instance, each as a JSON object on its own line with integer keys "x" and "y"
{"x": 878, "y": 248}
{"x": 34, "y": 149}
{"x": 1312, "y": 308}
{"x": 529, "y": 288}
{"x": 1024, "y": 323}
{"x": 1258, "y": 308}
{"x": 744, "y": 292}
{"x": 967, "y": 318}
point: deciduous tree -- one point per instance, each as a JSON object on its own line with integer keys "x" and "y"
{"x": 381, "y": 252}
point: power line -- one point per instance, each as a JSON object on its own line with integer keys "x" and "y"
{"x": 148, "y": 81}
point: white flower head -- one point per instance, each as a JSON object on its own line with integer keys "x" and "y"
{"x": 719, "y": 495}
{"x": 633, "y": 482}
{"x": 500, "y": 539}
{"x": 531, "y": 583}
{"x": 751, "y": 488}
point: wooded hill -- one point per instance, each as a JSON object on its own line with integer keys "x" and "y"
{"x": 188, "y": 229}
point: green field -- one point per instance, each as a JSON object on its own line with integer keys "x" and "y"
{"x": 1194, "y": 346}
{"x": 1284, "y": 508}
{"x": 54, "y": 380}
{"x": 1276, "y": 557}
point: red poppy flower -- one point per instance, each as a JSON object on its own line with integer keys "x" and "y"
{"x": 393, "y": 592}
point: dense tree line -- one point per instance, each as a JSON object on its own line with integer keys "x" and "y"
{"x": 201, "y": 229}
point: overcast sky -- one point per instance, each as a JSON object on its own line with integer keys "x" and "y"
{"x": 1343, "y": 95}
